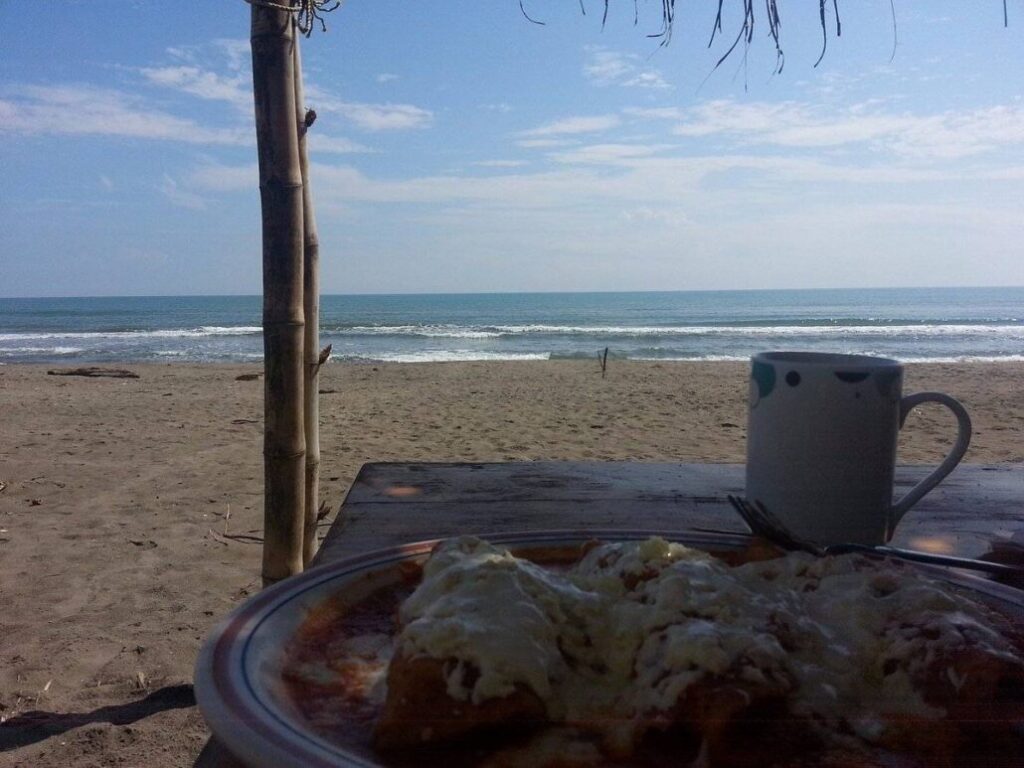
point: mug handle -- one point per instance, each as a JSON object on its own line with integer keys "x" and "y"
{"x": 963, "y": 439}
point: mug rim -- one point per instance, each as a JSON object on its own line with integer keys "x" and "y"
{"x": 826, "y": 359}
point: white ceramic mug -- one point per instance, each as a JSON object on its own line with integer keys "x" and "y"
{"x": 821, "y": 443}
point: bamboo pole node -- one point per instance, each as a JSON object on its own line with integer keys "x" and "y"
{"x": 306, "y": 11}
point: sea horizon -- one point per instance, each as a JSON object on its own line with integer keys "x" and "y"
{"x": 364, "y": 294}
{"x": 913, "y": 324}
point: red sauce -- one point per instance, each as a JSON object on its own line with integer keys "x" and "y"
{"x": 323, "y": 682}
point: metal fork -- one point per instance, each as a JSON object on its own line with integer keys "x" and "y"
{"x": 763, "y": 523}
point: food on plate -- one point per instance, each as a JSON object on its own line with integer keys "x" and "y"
{"x": 651, "y": 652}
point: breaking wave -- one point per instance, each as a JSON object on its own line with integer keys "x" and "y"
{"x": 165, "y": 333}
{"x": 498, "y": 331}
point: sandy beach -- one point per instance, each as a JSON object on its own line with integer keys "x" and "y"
{"x": 113, "y": 563}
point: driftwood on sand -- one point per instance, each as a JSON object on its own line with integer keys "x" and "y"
{"x": 112, "y": 373}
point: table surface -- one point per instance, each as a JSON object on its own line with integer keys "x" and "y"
{"x": 970, "y": 513}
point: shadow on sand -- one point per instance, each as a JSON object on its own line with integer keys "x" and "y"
{"x": 37, "y": 725}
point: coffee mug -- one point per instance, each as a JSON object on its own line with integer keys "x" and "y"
{"x": 821, "y": 443}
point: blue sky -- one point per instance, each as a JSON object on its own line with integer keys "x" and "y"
{"x": 461, "y": 148}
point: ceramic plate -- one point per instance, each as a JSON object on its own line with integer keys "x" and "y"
{"x": 239, "y": 684}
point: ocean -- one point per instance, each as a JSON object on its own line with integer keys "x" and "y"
{"x": 914, "y": 325}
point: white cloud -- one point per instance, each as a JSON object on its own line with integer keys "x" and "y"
{"x": 235, "y": 50}
{"x": 575, "y": 125}
{"x": 697, "y": 216}
{"x": 948, "y": 135}
{"x": 106, "y": 183}
{"x": 608, "y": 154}
{"x": 639, "y": 178}
{"x": 543, "y": 143}
{"x": 215, "y": 177}
{"x": 181, "y": 52}
{"x": 663, "y": 215}
{"x": 235, "y": 87}
{"x": 370, "y": 117}
{"x": 236, "y": 91}
{"x": 335, "y": 145}
{"x": 655, "y": 113}
{"x": 385, "y": 117}
{"x": 180, "y": 197}
{"x": 342, "y": 183}
{"x": 606, "y": 67}
{"x": 500, "y": 163}
{"x": 238, "y": 52}
{"x": 86, "y": 110}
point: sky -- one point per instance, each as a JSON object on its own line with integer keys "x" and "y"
{"x": 460, "y": 147}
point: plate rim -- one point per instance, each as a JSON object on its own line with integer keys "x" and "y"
{"x": 222, "y": 657}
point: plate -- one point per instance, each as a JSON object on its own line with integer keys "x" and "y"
{"x": 239, "y": 684}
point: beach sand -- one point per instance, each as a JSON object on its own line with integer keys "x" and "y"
{"x": 112, "y": 569}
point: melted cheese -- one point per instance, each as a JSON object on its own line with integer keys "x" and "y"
{"x": 630, "y": 627}
{"x": 505, "y": 616}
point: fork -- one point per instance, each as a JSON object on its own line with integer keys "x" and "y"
{"x": 766, "y": 525}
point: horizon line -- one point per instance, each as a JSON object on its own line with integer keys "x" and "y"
{"x": 526, "y": 293}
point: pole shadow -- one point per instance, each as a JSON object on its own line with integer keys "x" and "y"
{"x": 37, "y": 725}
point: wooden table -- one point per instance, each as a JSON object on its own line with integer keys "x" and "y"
{"x": 976, "y": 507}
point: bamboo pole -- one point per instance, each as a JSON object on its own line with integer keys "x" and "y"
{"x": 311, "y": 306}
{"x": 273, "y": 40}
